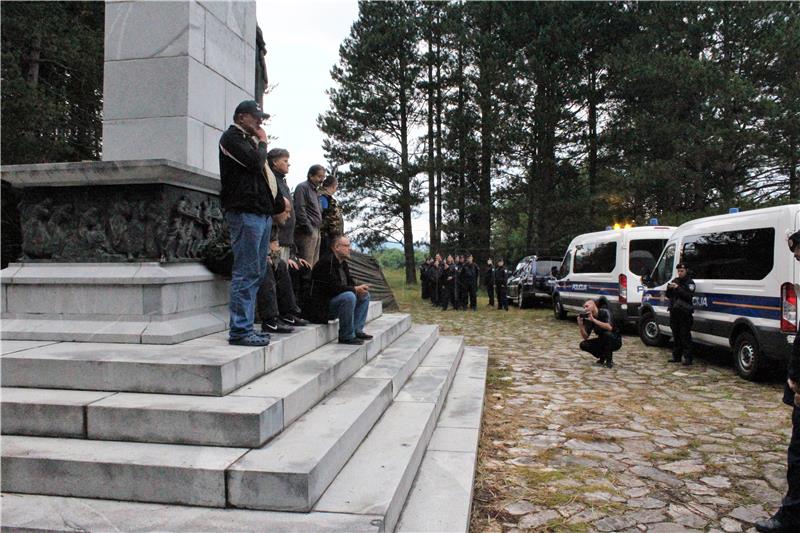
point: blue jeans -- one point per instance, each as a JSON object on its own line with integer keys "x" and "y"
{"x": 351, "y": 312}
{"x": 250, "y": 242}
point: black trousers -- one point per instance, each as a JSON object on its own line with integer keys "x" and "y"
{"x": 450, "y": 297}
{"x": 471, "y": 299}
{"x": 502, "y": 298}
{"x": 490, "y": 292}
{"x": 681, "y": 324}
{"x": 790, "y": 507}
{"x": 599, "y": 347}
{"x": 463, "y": 295}
{"x": 276, "y": 295}
{"x": 425, "y": 288}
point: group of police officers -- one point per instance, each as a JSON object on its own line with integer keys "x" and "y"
{"x": 453, "y": 282}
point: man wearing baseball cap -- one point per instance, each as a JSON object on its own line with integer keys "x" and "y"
{"x": 680, "y": 292}
{"x": 250, "y": 197}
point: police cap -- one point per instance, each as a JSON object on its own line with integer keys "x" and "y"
{"x": 682, "y": 266}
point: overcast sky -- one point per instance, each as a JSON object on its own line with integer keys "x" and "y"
{"x": 303, "y": 38}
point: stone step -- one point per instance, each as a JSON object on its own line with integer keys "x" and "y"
{"x": 399, "y": 360}
{"x": 441, "y": 496}
{"x": 292, "y": 471}
{"x": 189, "y": 475}
{"x": 246, "y": 418}
{"x": 46, "y": 412}
{"x": 207, "y": 366}
{"x": 378, "y": 476}
{"x": 304, "y": 382}
{"x": 28, "y": 512}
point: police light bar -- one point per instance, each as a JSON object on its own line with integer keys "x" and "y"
{"x": 654, "y": 221}
{"x": 733, "y": 210}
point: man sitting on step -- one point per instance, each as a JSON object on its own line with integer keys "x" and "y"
{"x": 276, "y": 304}
{"x": 334, "y": 294}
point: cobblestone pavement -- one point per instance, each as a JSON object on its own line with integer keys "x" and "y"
{"x": 645, "y": 446}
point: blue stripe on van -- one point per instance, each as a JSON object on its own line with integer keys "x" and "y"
{"x": 751, "y": 306}
{"x": 589, "y": 287}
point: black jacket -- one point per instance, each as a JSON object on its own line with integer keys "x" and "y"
{"x": 241, "y": 171}
{"x": 488, "y": 277}
{"x": 500, "y": 277}
{"x": 469, "y": 274}
{"x": 681, "y": 297}
{"x": 329, "y": 278}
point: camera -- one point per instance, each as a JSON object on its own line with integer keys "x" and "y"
{"x": 584, "y": 315}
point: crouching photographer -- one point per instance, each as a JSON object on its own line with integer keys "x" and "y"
{"x": 597, "y": 318}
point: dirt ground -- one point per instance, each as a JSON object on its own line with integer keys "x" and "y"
{"x": 567, "y": 445}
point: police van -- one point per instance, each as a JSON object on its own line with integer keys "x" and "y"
{"x": 609, "y": 263}
{"x": 746, "y": 285}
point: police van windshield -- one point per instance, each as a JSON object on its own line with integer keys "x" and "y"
{"x": 564, "y": 270}
{"x": 643, "y": 254}
{"x": 663, "y": 271}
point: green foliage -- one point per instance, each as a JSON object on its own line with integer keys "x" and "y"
{"x": 52, "y": 71}
{"x": 549, "y": 119}
{"x": 394, "y": 258}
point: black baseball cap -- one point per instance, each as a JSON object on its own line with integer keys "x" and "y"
{"x": 251, "y": 107}
{"x": 682, "y": 265}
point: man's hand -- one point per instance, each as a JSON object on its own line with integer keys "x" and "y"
{"x": 292, "y": 264}
{"x": 580, "y": 320}
{"x": 260, "y": 134}
{"x": 671, "y": 285}
{"x": 304, "y": 262}
{"x": 792, "y": 385}
{"x": 281, "y": 218}
{"x": 361, "y": 290}
{"x": 288, "y": 205}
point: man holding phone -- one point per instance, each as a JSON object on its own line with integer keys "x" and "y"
{"x": 334, "y": 294}
{"x": 250, "y": 197}
{"x": 680, "y": 292}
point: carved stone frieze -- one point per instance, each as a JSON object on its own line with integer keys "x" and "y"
{"x": 117, "y": 223}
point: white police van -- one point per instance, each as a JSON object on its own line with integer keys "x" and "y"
{"x": 747, "y": 285}
{"x": 609, "y": 263}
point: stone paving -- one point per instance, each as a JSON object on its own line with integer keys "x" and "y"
{"x": 645, "y": 446}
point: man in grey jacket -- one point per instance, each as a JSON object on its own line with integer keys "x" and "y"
{"x": 308, "y": 215}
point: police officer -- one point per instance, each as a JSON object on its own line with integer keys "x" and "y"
{"x": 424, "y": 281}
{"x": 680, "y": 292}
{"x": 488, "y": 281}
{"x": 501, "y": 285}
{"x": 787, "y": 518}
{"x": 469, "y": 277}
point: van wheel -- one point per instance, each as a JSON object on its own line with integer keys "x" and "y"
{"x": 649, "y": 332}
{"x": 558, "y": 309}
{"x": 748, "y": 357}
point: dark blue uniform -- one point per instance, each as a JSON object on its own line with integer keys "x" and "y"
{"x": 681, "y": 317}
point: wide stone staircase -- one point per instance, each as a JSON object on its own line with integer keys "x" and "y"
{"x": 303, "y": 435}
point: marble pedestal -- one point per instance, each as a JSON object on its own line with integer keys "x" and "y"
{"x": 150, "y": 303}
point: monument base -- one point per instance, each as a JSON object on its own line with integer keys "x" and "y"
{"x": 147, "y": 302}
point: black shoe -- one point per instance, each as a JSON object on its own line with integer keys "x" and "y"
{"x": 275, "y": 326}
{"x": 600, "y": 362}
{"x": 293, "y": 320}
{"x": 673, "y": 360}
{"x": 252, "y": 340}
{"x": 687, "y": 362}
{"x": 354, "y": 340}
{"x": 775, "y": 524}
{"x": 362, "y": 335}
{"x": 609, "y": 364}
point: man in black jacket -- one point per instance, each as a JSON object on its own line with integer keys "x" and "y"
{"x": 250, "y": 197}
{"x": 469, "y": 278}
{"x": 501, "y": 285}
{"x": 787, "y": 519}
{"x": 680, "y": 292}
{"x": 334, "y": 294}
{"x": 488, "y": 281}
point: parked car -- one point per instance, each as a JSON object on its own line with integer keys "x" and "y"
{"x": 533, "y": 280}
{"x": 747, "y": 286}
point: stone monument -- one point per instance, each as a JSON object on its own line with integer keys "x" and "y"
{"x": 110, "y": 248}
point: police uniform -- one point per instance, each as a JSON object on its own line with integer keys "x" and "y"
{"x": 788, "y": 516}
{"x": 469, "y": 280}
{"x": 488, "y": 280}
{"x": 681, "y": 309}
{"x": 501, "y": 286}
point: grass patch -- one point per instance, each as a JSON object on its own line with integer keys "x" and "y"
{"x": 678, "y": 455}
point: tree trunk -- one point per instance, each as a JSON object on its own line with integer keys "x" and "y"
{"x": 32, "y": 76}
{"x": 439, "y": 163}
{"x": 405, "y": 178}
{"x": 431, "y": 163}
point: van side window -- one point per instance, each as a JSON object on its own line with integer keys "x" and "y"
{"x": 564, "y": 269}
{"x": 643, "y": 254}
{"x": 744, "y": 254}
{"x": 662, "y": 273}
{"x": 596, "y": 257}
